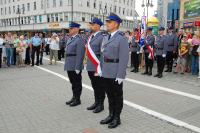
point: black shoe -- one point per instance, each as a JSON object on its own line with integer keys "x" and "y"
{"x": 145, "y": 73}
{"x": 160, "y": 76}
{"x": 136, "y": 70}
{"x": 37, "y": 64}
{"x": 156, "y": 75}
{"x": 98, "y": 109}
{"x": 115, "y": 123}
{"x": 70, "y": 101}
{"x": 41, "y": 63}
{"x": 133, "y": 70}
{"x": 107, "y": 120}
{"x": 167, "y": 70}
{"x": 76, "y": 102}
{"x": 92, "y": 107}
{"x": 150, "y": 73}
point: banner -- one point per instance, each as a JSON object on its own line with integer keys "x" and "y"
{"x": 143, "y": 30}
{"x": 192, "y": 9}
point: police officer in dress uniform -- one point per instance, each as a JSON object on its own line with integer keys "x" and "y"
{"x": 115, "y": 50}
{"x": 96, "y": 81}
{"x": 172, "y": 42}
{"x": 75, "y": 51}
{"x": 135, "y": 51}
{"x": 150, "y": 40}
{"x": 161, "y": 51}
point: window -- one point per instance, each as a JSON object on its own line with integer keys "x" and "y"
{"x": 54, "y": 3}
{"x": 35, "y": 19}
{"x": 42, "y": 4}
{"x": 95, "y": 5}
{"x": 23, "y": 8}
{"x": 61, "y": 17}
{"x": 9, "y": 10}
{"x": 56, "y": 17}
{"x": 28, "y": 6}
{"x": 47, "y": 3}
{"x": 40, "y": 18}
{"x": 34, "y": 6}
{"x": 1, "y": 11}
{"x": 88, "y": 3}
{"x": 48, "y": 18}
{"x": 61, "y": 3}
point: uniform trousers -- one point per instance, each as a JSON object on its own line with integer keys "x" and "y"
{"x": 160, "y": 64}
{"x": 98, "y": 87}
{"x": 114, "y": 93}
{"x": 76, "y": 82}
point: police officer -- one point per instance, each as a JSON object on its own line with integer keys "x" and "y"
{"x": 96, "y": 81}
{"x": 35, "y": 48}
{"x": 75, "y": 50}
{"x": 150, "y": 40}
{"x": 172, "y": 42}
{"x": 161, "y": 51}
{"x": 115, "y": 50}
{"x": 135, "y": 51}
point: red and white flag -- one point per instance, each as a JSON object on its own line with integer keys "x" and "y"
{"x": 93, "y": 58}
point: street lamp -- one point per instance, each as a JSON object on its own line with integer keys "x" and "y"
{"x": 147, "y": 5}
{"x": 103, "y": 12}
{"x": 19, "y": 12}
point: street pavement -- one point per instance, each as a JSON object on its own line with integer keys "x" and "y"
{"x": 32, "y": 100}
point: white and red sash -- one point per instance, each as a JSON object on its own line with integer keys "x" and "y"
{"x": 93, "y": 58}
{"x": 151, "y": 52}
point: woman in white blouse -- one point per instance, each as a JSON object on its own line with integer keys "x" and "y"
{"x": 54, "y": 47}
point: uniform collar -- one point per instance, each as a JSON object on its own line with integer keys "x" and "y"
{"x": 94, "y": 34}
{"x": 113, "y": 33}
{"x": 74, "y": 35}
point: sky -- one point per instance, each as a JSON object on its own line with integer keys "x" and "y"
{"x": 140, "y": 10}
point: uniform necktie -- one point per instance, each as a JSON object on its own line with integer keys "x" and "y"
{"x": 109, "y": 36}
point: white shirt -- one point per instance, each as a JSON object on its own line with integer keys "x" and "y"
{"x": 54, "y": 44}
{"x": 1, "y": 42}
{"x": 198, "y": 50}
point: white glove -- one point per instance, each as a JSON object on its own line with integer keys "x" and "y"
{"x": 138, "y": 52}
{"x": 163, "y": 55}
{"x": 119, "y": 80}
{"x": 77, "y": 71}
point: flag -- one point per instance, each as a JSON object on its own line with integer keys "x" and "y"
{"x": 143, "y": 30}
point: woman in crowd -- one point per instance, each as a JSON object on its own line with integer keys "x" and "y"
{"x": 54, "y": 47}
{"x": 194, "y": 54}
{"x": 1, "y": 48}
{"x": 27, "y": 56}
{"x": 182, "y": 55}
{"x": 198, "y": 50}
{"x": 9, "y": 45}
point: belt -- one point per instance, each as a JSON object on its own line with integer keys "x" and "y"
{"x": 111, "y": 60}
{"x": 98, "y": 54}
{"x": 171, "y": 45}
{"x": 68, "y": 55}
{"x": 160, "y": 48}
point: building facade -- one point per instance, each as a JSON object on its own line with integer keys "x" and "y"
{"x": 190, "y": 15}
{"x": 30, "y": 15}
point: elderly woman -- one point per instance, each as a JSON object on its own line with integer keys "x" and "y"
{"x": 54, "y": 47}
